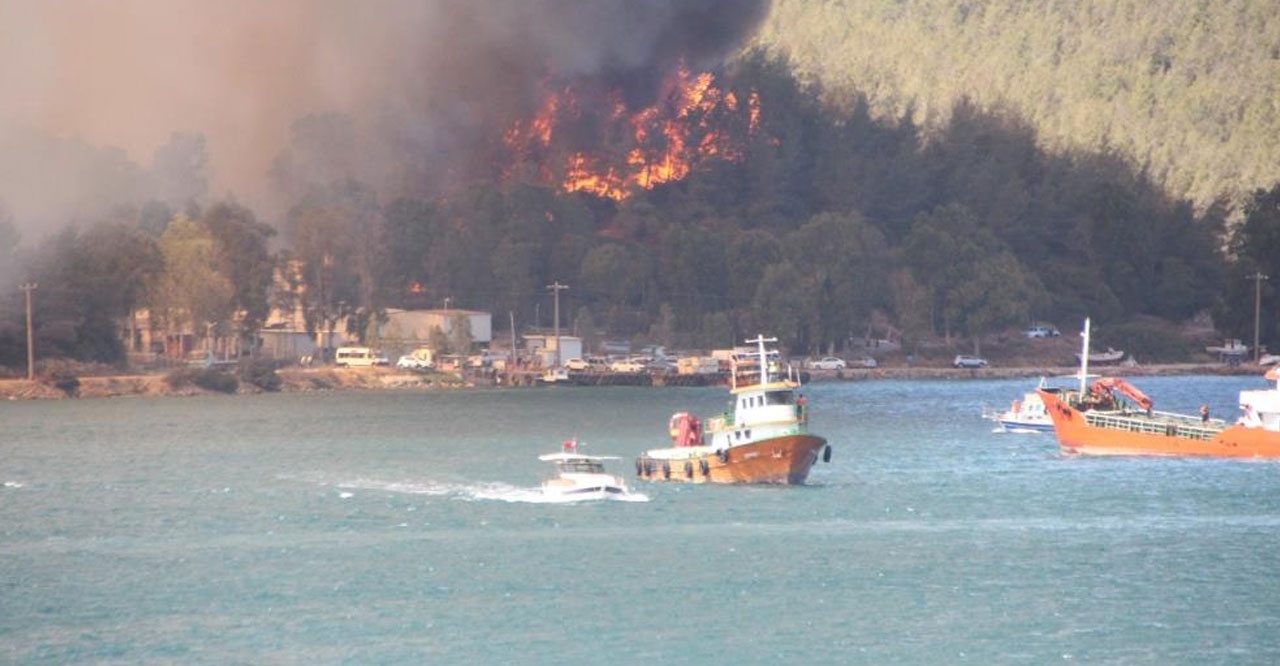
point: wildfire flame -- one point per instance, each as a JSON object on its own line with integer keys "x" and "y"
{"x": 641, "y": 149}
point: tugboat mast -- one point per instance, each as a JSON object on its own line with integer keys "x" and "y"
{"x": 764, "y": 361}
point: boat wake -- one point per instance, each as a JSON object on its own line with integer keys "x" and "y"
{"x": 1015, "y": 431}
{"x": 536, "y": 496}
{"x": 496, "y": 491}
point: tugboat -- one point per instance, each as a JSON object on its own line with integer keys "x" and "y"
{"x": 764, "y": 437}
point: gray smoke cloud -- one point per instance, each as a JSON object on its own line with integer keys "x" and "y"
{"x": 93, "y": 88}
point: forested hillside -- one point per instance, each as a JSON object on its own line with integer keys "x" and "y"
{"x": 1189, "y": 91}
{"x": 906, "y": 189}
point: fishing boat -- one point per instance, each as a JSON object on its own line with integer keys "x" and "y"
{"x": 763, "y": 437}
{"x": 1024, "y": 415}
{"x": 1110, "y": 416}
{"x": 580, "y": 476}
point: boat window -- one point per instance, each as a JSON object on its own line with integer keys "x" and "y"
{"x": 780, "y": 398}
{"x": 581, "y": 466}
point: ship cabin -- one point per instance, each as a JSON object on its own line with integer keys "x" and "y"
{"x": 776, "y": 403}
{"x": 579, "y": 465}
{"x": 1261, "y": 409}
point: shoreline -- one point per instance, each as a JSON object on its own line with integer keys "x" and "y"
{"x": 325, "y": 380}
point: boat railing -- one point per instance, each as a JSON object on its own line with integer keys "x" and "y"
{"x": 1171, "y": 425}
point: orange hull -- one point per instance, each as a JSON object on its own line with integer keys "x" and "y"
{"x": 780, "y": 460}
{"x": 1139, "y": 435}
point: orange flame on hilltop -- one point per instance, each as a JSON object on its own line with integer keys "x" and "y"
{"x": 655, "y": 145}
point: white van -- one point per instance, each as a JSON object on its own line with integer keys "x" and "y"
{"x": 352, "y": 357}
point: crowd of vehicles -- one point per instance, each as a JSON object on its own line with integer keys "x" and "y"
{"x": 658, "y": 361}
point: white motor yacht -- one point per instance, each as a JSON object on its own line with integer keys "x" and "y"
{"x": 581, "y": 476}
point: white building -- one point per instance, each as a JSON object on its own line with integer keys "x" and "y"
{"x": 544, "y": 348}
{"x": 412, "y": 328}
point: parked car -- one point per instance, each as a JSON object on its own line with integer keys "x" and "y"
{"x": 865, "y": 362}
{"x": 963, "y": 361}
{"x": 576, "y": 365}
{"x": 661, "y": 366}
{"x": 1042, "y": 331}
{"x": 628, "y": 365}
{"x": 828, "y": 363}
{"x": 411, "y": 362}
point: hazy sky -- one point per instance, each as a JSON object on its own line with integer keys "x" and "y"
{"x": 128, "y": 73}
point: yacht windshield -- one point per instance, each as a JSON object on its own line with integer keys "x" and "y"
{"x": 582, "y": 466}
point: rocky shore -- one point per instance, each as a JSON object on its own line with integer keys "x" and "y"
{"x": 302, "y": 380}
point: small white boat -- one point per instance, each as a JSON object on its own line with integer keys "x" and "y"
{"x": 1025, "y": 415}
{"x": 582, "y": 477}
{"x": 1109, "y": 356}
{"x": 554, "y": 375}
{"x": 1229, "y": 347}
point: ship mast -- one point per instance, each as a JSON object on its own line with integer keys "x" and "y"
{"x": 764, "y": 361}
{"x": 1084, "y": 356}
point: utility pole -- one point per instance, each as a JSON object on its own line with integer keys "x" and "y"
{"x": 1257, "y": 278}
{"x": 31, "y": 350}
{"x": 556, "y": 288}
{"x": 511, "y": 360}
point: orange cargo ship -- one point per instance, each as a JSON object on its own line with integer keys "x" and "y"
{"x": 763, "y": 438}
{"x": 1102, "y": 422}
{"x": 1113, "y": 417}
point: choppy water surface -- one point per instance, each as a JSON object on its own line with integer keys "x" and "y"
{"x": 394, "y": 528}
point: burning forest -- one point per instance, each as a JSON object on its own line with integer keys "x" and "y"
{"x": 594, "y": 143}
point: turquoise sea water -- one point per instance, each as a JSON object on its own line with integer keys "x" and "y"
{"x": 405, "y": 528}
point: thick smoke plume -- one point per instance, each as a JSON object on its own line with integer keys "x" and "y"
{"x": 92, "y": 88}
